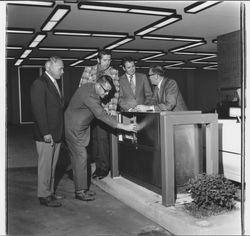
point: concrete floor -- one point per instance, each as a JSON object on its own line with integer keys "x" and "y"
{"x": 106, "y": 216}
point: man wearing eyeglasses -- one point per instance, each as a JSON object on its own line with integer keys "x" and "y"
{"x": 134, "y": 87}
{"x": 166, "y": 96}
{"x": 100, "y": 151}
{"x": 84, "y": 106}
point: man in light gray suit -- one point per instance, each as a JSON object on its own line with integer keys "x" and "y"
{"x": 84, "y": 105}
{"x": 134, "y": 87}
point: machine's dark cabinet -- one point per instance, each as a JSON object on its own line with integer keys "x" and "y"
{"x": 140, "y": 156}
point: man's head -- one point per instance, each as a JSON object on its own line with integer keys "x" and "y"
{"x": 128, "y": 65}
{"x": 104, "y": 84}
{"x": 104, "y": 58}
{"x": 156, "y": 74}
{"x": 54, "y": 66}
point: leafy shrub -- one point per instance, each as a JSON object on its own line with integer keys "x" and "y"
{"x": 212, "y": 192}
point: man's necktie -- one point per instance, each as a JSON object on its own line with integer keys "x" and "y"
{"x": 57, "y": 87}
{"x": 132, "y": 84}
{"x": 156, "y": 93}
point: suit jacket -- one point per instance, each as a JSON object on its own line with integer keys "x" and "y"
{"x": 169, "y": 97}
{"x": 48, "y": 109}
{"x": 84, "y": 105}
{"x": 142, "y": 95}
{"x": 91, "y": 74}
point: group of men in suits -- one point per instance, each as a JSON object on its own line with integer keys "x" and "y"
{"x": 100, "y": 95}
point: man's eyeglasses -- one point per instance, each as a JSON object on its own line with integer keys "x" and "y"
{"x": 105, "y": 90}
{"x": 150, "y": 74}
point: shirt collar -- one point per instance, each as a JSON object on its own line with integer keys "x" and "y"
{"x": 52, "y": 79}
{"x": 159, "y": 85}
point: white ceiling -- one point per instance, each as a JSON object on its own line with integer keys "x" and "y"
{"x": 220, "y": 19}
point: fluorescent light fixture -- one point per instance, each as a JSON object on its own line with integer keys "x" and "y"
{"x": 212, "y": 67}
{"x": 150, "y": 12}
{"x": 175, "y": 64}
{"x": 38, "y": 58}
{"x": 13, "y": 48}
{"x": 49, "y": 26}
{"x": 124, "y": 50}
{"x": 38, "y": 39}
{"x": 202, "y": 58}
{"x": 200, "y": 6}
{"x": 71, "y": 33}
{"x": 53, "y": 49}
{"x": 147, "y": 58}
{"x": 101, "y": 8}
{"x": 109, "y": 35}
{"x": 83, "y": 49}
{"x": 55, "y": 17}
{"x": 34, "y": 3}
{"x": 76, "y": 63}
{"x": 20, "y": 31}
{"x": 195, "y": 53}
{"x": 91, "y": 55}
{"x": 172, "y": 38}
{"x": 119, "y": 43}
{"x": 113, "y": 7}
{"x": 181, "y": 68}
{"x": 188, "y": 46}
{"x": 158, "y": 24}
{"x": 26, "y": 53}
{"x": 18, "y": 62}
{"x": 165, "y": 61}
{"x": 90, "y": 33}
{"x": 148, "y": 51}
{"x": 10, "y": 58}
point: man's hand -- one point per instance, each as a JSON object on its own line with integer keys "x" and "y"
{"x": 142, "y": 108}
{"x": 48, "y": 139}
{"x": 128, "y": 127}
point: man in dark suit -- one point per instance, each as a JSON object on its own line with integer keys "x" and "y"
{"x": 134, "y": 87}
{"x": 84, "y": 105}
{"x": 48, "y": 107}
{"x": 166, "y": 95}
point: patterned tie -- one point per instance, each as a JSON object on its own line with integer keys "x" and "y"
{"x": 132, "y": 84}
{"x": 57, "y": 87}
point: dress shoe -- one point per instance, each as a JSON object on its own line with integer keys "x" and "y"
{"x": 55, "y": 196}
{"x": 89, "y": 192}
{"x": 49, "y": 202}
{"x": 83, "y": 196}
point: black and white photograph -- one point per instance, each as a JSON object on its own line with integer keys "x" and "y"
{"x": 124, "y": 118}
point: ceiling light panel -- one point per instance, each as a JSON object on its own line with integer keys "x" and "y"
{"x": 26, "y": 53}
{"x": 158, "y": 24}
{"x": 113, "y": 7}
{"x": 200, "y": 6}
{"x": 119, "y": 43}
{"x": 55, "y": 17}
{"x": 188, "y": 46}
{"x": 37, "y": 40}
{"x": 33, "y": 3}
{"x": 76, "y": 63}
{"x": 172, "y": 38}
{"x": 14, "y": 47}
{"x": 20, "y": 31}
{"x": 154, "y": 56}
{"x": 18, "y": 62}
